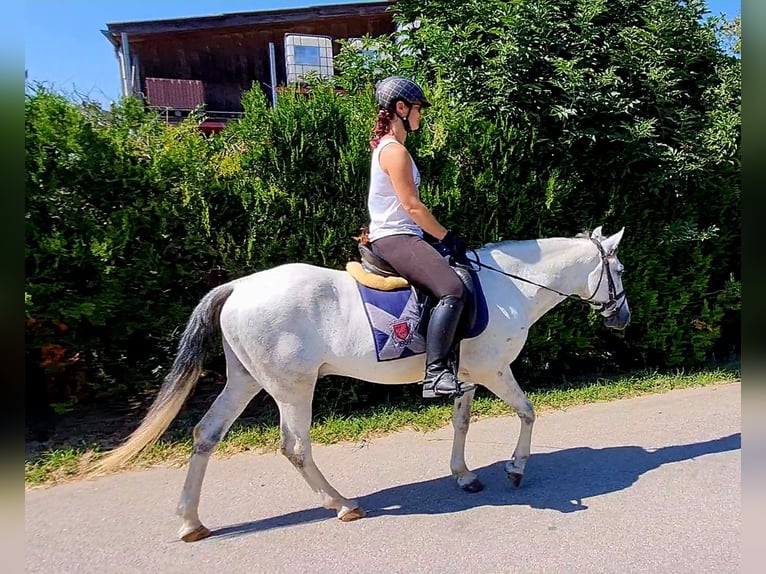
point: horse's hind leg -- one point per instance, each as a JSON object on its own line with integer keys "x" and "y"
{"x": 295, "y": 425}
{"x": 504, "y": 385}
{"x": 240, "y": 388}
{"x": 461, "y": 419}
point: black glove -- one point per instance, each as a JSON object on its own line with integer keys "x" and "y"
{"x": 456, "y": 246}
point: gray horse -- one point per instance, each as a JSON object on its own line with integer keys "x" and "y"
{"x": 283, "y": 344}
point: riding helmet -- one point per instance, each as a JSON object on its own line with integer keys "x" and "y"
{"x": 394, "y": 88}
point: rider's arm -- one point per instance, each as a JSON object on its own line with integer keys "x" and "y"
{"x": 396, "y": 162}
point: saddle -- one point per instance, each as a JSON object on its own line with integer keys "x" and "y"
{"x": 376, "y": 273}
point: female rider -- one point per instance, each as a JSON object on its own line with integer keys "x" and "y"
{"x": 398, "y": 220}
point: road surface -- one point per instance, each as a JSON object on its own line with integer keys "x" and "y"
{"x": 650, "y": 484}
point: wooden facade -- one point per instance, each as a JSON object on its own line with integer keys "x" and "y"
{"x": 229, "y": 53}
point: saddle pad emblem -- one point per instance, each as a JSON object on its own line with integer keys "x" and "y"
{"x": 402, "y": 332}
{"x": 394, "y": 317}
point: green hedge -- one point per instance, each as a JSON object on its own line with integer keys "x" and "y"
{"x": 549, "y": 117}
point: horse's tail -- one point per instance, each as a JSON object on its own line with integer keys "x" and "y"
{"x": 178, "y": 384}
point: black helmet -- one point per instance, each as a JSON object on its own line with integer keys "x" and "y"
{"x": 394, "y": 88}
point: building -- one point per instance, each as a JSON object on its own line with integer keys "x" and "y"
{"x": 181, "y": 64}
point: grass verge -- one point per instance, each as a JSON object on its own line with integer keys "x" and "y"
{"x": 65, "y": 464}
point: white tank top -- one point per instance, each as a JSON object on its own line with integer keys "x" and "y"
{"x": 387, "y": 216}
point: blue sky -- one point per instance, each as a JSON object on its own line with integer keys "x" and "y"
{"x": 65, "y": 50}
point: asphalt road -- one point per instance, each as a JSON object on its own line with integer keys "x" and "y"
{"x": 650, "y": 484}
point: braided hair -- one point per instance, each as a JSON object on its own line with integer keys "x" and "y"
{"x": 382, "y": 127}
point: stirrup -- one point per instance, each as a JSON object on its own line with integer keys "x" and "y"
{"x": 430, "y": 392}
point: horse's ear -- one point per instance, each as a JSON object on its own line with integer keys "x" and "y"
{"x": 610, "y": 243}
{"x": 596, "y": 234}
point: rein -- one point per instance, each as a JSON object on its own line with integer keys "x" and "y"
{"x": 598, "y": 307}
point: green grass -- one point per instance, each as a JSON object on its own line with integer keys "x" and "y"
{"x": 55, "y": 466}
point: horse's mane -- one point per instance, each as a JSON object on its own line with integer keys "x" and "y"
{"x": 530, "y": 251}
{"x": 520, "y": 242}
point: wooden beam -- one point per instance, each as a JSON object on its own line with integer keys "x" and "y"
{"x": 249, "y": 19}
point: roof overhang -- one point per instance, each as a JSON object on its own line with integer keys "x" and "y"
{"x": 244, "y": 19}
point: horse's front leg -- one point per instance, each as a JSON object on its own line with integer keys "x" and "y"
{"x": 504, "y": 385}
{"x": 461, "y": 420}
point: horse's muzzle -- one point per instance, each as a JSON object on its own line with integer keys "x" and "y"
{"x": 619, "y": 319}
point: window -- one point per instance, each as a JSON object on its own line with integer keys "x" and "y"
{"x": 307, "y": 56}
{"x": 369, "y": 54}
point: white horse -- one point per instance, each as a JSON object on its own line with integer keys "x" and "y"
{"x": 285, "y": 327}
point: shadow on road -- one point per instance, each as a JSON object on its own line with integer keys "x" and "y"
{"x": 558, "y": 480}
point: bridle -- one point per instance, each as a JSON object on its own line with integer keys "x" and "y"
{"x": 611, "y": 306}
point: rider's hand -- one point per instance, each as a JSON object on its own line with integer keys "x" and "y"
{"x": 456, "y": 246}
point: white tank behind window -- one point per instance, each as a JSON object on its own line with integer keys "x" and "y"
{"x": 305, "y": 54}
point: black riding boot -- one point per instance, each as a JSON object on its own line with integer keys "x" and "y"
{"x": 440, "y": 380}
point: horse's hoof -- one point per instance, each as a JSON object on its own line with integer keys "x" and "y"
{"x": 354, "y": 514}
{"x": 515, "y": 478}
{"x": 197, "y": 534}
{"x": 474, "y": 486}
